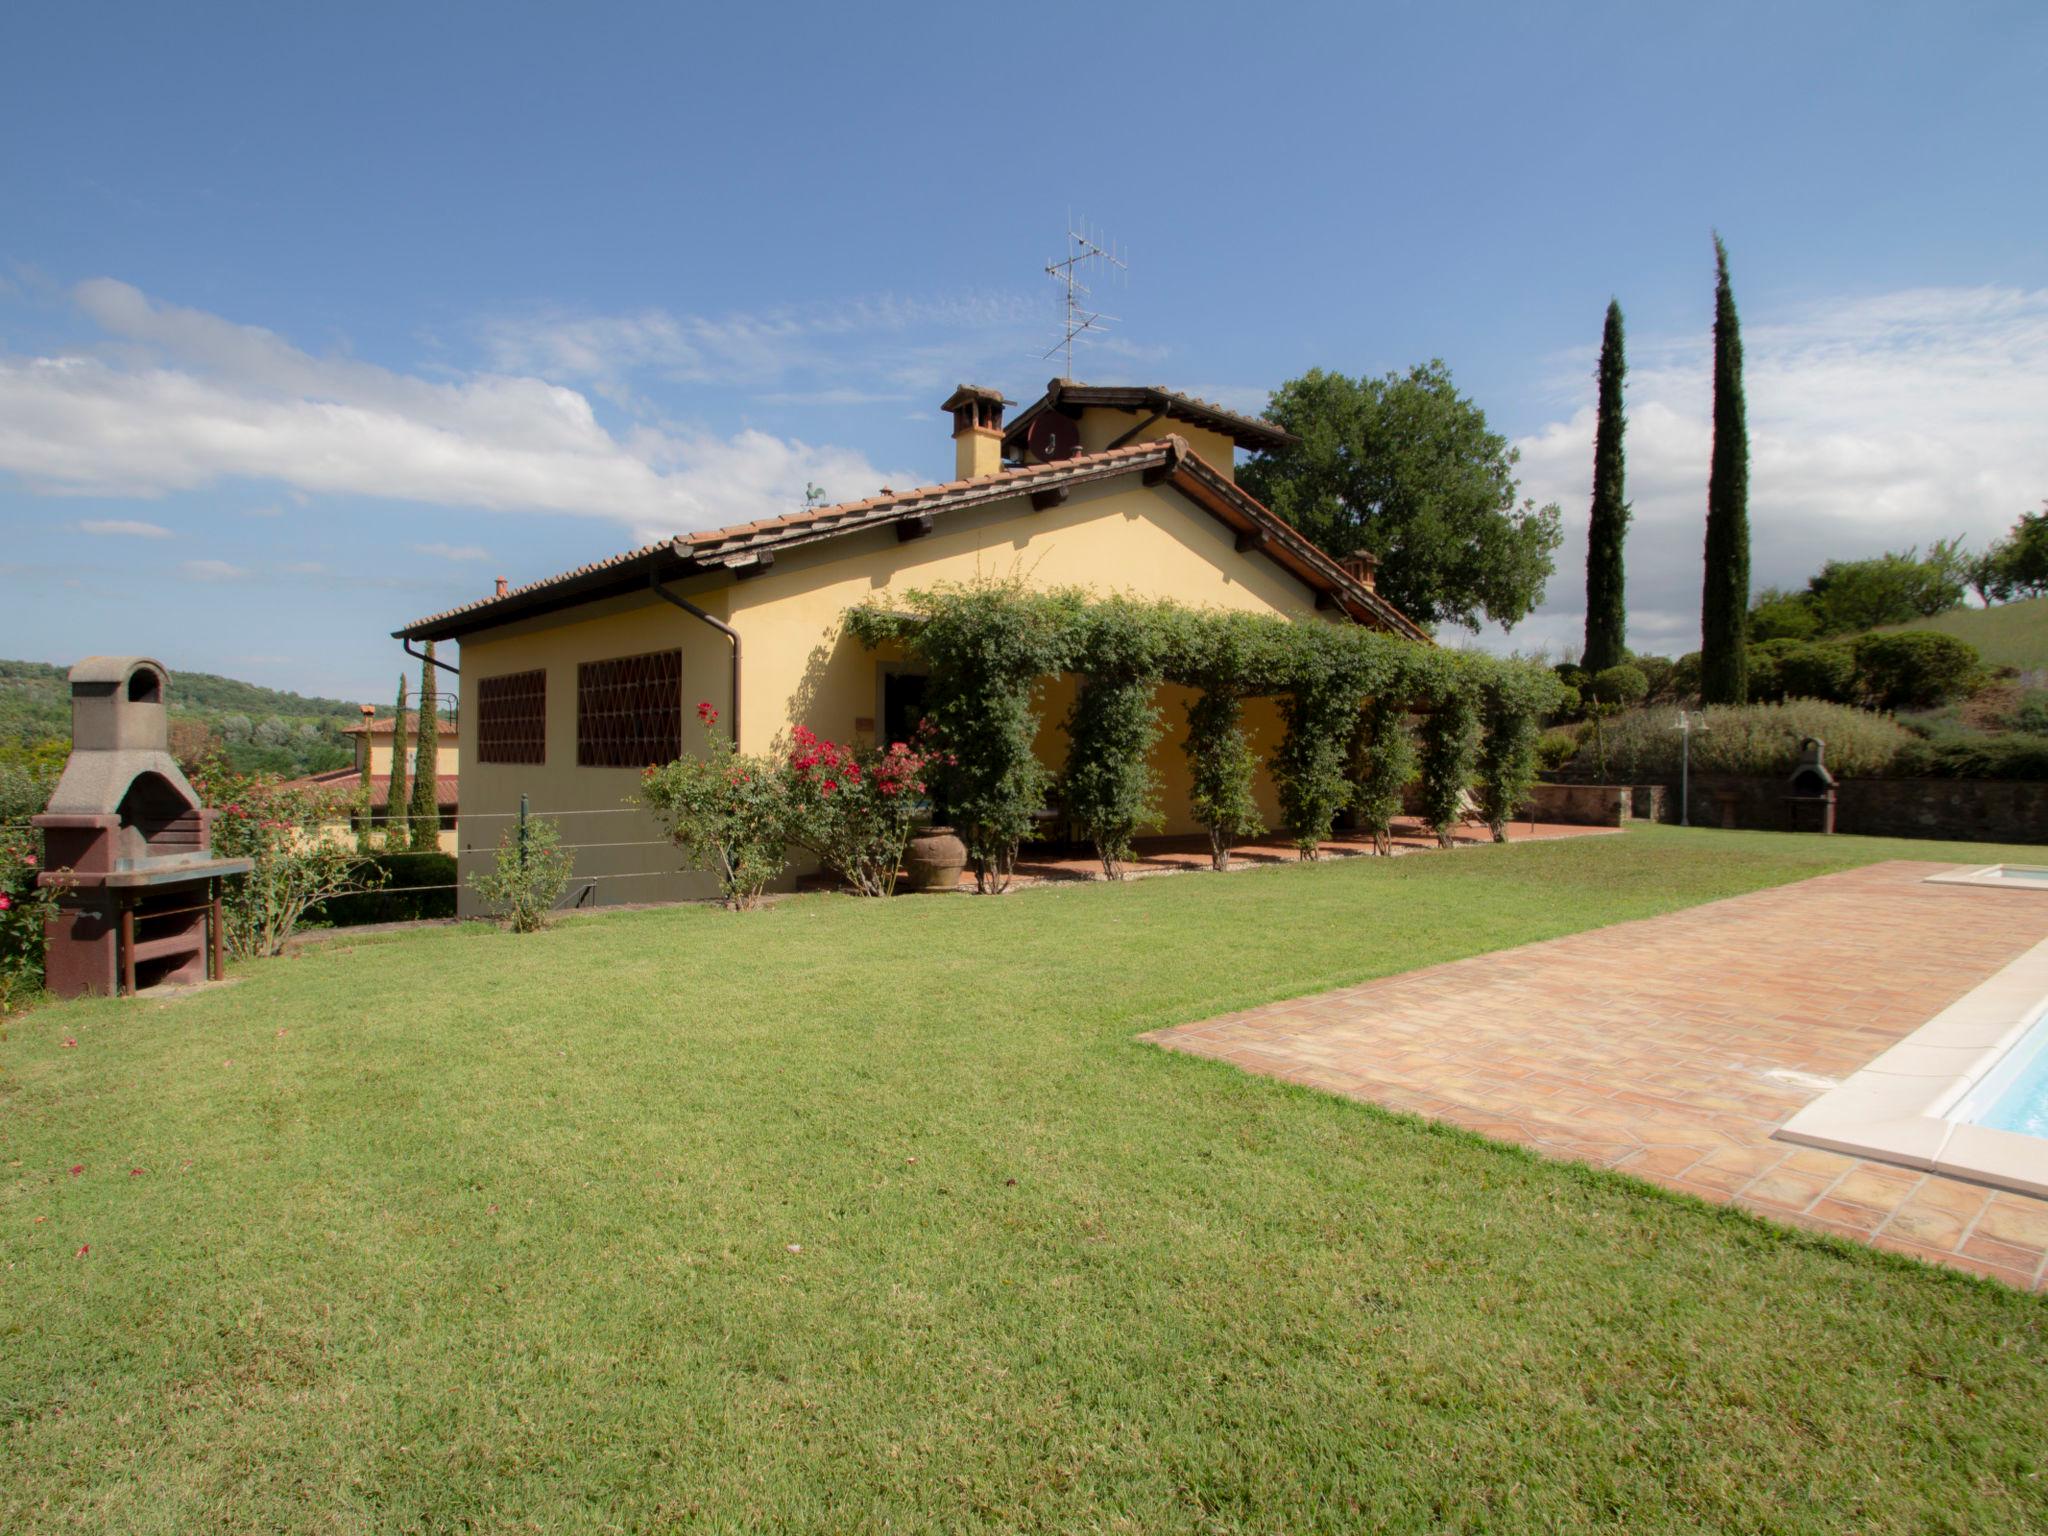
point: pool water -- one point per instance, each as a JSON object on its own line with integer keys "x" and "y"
{"x": 2014, "y": 1094}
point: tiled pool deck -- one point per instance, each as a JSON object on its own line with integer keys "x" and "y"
{"x": 1673, "y": 1047}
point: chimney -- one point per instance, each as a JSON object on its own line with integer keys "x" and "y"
{"x": 1362, "y": 565}
{"x": 501, "y": 588}
{"x": 977, "y": 431}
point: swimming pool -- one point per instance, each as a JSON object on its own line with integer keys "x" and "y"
{"x": 2013, "y": 1095}
{"x": 2018, "y": 877}
{"x": 1965, "y": 1094}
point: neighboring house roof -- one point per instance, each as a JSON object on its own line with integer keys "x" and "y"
{"x": 751, "y": 547}
{"x": 345, "y": 780}
{"x": 1251, "y": 432}
{"x": 382, "y": 726}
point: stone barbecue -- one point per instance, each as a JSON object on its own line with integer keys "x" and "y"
{"x": 127, "y": 845}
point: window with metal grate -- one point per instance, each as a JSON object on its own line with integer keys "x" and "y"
{"x": 512, "y": 718}
{"x": 629, "y": 711}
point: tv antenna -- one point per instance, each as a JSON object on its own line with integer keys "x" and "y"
{"x": 1083, "y": 254}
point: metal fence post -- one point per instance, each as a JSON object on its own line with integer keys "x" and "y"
{"x": 522, "y": 834}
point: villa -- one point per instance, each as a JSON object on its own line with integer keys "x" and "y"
{"x": 572, "y": 684}
{"x": 373, "y": 740}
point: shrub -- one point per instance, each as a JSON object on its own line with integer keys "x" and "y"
{"x": 1608, "y": 693}
{"x": 1556, "y": 747}
{"x": 1512, "y": 700}
{"x": 1915, "y": 668}
{"x": 1818, "y": 669}
{"x": 1685, "y": 677}
{"x": 399, "y": 896}
{"x": 1109, "y": 787}
{"x": 1382, "y": 768}
{"x": 728, "y": 812}
{"x": 1658, "y": 672}
{"x": 855, "y": 807}
{"x": 24, "y": 908}
{"x": 1330, "y": 673}
{"x": 1749, "y": 739}
{"x": 1781, "y": 615}
{"x": 1221, "y": 770}
{"x": 1450, "y": 752}
{"x": 987, "y": 643}
{"x": 2029, "y": 714}
{"x": 296, "y": 866}
{"x": 528, "y": 877}
{"x": 2019, "y": 756}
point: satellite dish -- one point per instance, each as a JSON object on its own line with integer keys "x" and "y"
{"x": 1053, "y": 437}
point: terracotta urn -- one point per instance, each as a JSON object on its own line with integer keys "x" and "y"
{"x": 934, "y": 861}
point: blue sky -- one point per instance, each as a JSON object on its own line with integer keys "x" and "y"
{"x": 313, "y": 321}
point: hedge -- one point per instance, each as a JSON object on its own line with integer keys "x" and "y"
{"x": 397, "y": 903}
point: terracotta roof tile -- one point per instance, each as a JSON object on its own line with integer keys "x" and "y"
{"x": 739, "y": 546}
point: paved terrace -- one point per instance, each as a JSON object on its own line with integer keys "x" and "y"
{"x": 1672, "y": 1047}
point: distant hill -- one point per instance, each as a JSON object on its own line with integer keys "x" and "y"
{"x": 265, "y": 729}
{"x": 2009, "y": 635}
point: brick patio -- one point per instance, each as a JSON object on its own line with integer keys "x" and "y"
{"x": 1672, "y": 1047}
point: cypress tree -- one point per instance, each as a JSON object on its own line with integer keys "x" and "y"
{"x": 426, "y": 784}
{"x": 1606, "y": 601}
{"x": 1724, "y": 599}
{"x": 395, "y": 834}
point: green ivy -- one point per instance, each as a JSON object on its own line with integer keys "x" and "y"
{"x": 1110, "y": 789}
{"x": 1382, "y": 767}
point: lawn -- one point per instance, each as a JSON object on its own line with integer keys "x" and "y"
{"x": 2009, "y": 635}
{"x": 843, "y": 1215}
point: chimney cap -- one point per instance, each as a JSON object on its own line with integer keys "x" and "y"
{"x": 501, "y": 588}
{"x": 968, "y": 394}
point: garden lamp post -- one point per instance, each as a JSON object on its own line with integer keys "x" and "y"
{"x": 1686, "y": 725}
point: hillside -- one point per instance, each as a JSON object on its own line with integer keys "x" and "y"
{"x": 256, "y": 728}
{"x": 2009, "y": 635}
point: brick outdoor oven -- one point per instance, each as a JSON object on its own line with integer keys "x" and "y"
{"x": 127, "y": 846}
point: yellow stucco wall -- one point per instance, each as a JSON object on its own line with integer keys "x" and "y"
{"x": 800, "y": 666}
{"x": 615, "y": 844}
{"x": 380, "y": 752}
{"x": 1101, "y": 426}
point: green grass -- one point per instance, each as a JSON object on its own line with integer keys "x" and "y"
{"x": 853, "y": 1216}
{"x": 2009, "y": 635}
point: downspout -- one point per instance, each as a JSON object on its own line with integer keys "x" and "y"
{"x": 732, "y": 637}
{"x": 406, "y": 646}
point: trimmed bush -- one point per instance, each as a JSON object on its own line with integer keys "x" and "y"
{"x": 1331, "y": 674}
{"x": 396, "y": 901}
{"x": 1817, "y": 669}
{"x": 1109, "y": 787}
{"x": 1916, "y": 668}
{"x": 1382, "y": 767}
{"x": 2019, "y": 756}
{"x": 1512, "y": 701}
{"x": 1450, "y": 754}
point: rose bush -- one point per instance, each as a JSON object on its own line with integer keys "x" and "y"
{"x": 728, "y": 812}
{"x": 855, "y": 807}
{"x": 296, "y": 864}
{"x": 23, "y": 909}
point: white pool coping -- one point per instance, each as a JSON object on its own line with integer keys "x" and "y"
{"x": 1897, "y": 1109}
{"x": 1992, "y": 875}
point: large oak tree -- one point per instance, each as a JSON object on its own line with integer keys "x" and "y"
{"x": 1404, "y": 467}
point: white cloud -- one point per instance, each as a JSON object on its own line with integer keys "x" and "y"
{"x": 123, "y": 528}
{"x": 212, "y": 570}
{"x": 1874, "y": 423}
{"x": 187, "y": 399}
{"x": 453, "y": 551}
